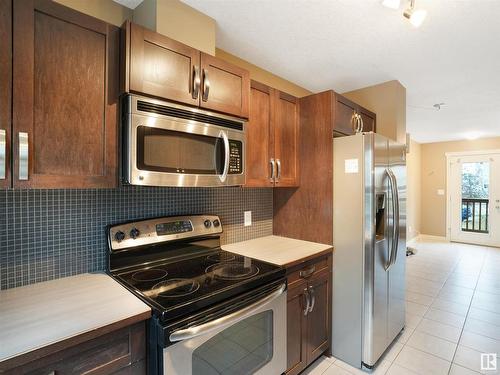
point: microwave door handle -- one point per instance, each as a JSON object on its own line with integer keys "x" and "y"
{"x": 205, "y": 328}
{"x": 223, "y": 176}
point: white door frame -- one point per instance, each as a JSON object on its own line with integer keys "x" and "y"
{"x": 449, "y": 155}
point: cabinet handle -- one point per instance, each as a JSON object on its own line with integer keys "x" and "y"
{"x": 206, "y": 86}
{"x": 3, "y": 154}
{"x": 278, "y": 164}
{"x": 313, "y": 298}
{"x": 308, "y": 301}
{"x": 196, "y": 81}
{"x": 354, "y": 122}
{"x": 273, "y": 166}
{"x": 23, "y": 156}
{"x": 308, "y": 272}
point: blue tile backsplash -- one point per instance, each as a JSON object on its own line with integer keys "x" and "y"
{"x": 47, "y": 234}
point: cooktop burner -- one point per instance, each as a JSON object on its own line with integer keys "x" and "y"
{"x": 174, "y": 288}
{"x": 233, "y": 270}
{"x": 151, "y": 274}
{"x": 221, "y": 256}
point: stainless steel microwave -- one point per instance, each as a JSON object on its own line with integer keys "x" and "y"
{"x": 166, "y": 144}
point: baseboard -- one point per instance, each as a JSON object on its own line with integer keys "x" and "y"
{"x": 429, "y": 237}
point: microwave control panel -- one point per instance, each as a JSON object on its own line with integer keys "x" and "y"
{"x": 235, "y": 157}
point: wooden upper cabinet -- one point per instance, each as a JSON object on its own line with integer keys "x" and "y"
{"x": 5, "y": 91}
{"x": 224, "y": 86}
{"x": 367, "y": 120}
{"x": 65, "y": 98}
{"x": 272, "y": 138}
{"x": 259, "y": 142}
{"x": 344, "y": 116}
{"x": 351, "y": 117}
{"x": 160, "y": 66}
{"x": 286, "y": 137}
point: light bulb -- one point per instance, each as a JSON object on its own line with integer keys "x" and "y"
{"x": 392, "y": 4}
{"x": 417, "y": 17}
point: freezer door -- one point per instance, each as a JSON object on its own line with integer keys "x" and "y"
{"x": 396, "y": 272}
{"x": 377, "y": 235}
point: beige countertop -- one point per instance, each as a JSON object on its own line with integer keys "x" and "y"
{"x": 38, "y": 315}
{"x": 281, "y": 251}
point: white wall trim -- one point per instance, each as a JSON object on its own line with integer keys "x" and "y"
{"x": 470, "y": 153}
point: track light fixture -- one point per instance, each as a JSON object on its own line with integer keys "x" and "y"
{"x": 415, "y": 16}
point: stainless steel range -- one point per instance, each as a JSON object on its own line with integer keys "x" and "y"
{"x": 214, "y": 312}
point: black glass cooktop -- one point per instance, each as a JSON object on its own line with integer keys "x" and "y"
{"x": 182, "y": 286}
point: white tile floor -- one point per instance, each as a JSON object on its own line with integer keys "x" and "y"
{"x": 452, "y": 314}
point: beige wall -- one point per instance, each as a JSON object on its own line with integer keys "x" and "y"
{"x": 434, "y": 177}
{"x": 388, "y": 101}
{"x": 263, "y": 76}
{"x": 106, "y": 10}
{"x": 413, "y": 191}
{"x": 179, "y": 21}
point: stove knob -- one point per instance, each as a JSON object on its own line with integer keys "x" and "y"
{"x": 134, "y": 233}
{"x": 207, "y": 223}
{"x": 216, "y": 223}
{"x": 119, "y": 236}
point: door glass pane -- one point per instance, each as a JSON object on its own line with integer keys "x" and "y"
{"x": 475, "y": 196}
{"x": 240, "y": 349}
{"x": 170, "y": 151}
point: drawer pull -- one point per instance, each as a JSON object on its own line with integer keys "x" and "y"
{"x": 306, "y": 273}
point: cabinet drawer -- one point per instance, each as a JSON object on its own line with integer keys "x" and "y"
{"x": 111, "y": 353}
{"x": 309, "y": 270}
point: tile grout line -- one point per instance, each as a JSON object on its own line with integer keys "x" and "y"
{"x": 466, "y": 316}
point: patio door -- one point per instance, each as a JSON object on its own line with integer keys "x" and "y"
{"x": 474, "y": 198}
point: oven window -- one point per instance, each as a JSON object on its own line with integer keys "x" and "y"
{"x": 240, "y": 349}
{"x": 162, "y": 150}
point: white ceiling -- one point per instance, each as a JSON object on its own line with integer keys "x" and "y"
{"x": 454, "y": 57}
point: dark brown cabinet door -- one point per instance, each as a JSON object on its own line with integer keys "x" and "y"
{"x": 345, "y": 122}
{"x": 318, "y": 320}
{"x": 296, "y": 328}
{"x": 5, "y": 91}
{"x": 224, "y": 86}
{"x": 160, "y": 66}
{"x": 65, "y": 98}
{"x": 367, "y": 120}
{"x": 259, "y": 142}
{"x": 286, "y": 137}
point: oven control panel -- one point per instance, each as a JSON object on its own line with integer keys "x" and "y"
{"x": 154, "y": 231}
{"x": 235, "y": 157}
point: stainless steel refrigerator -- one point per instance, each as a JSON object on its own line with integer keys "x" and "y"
{"x": 369, "y": 237}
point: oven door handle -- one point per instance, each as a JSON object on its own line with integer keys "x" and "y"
{"x": 223, "y": 176}
{"x": 203, "y": 329}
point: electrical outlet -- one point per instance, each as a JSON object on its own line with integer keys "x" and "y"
{"x": 247, "y": 218}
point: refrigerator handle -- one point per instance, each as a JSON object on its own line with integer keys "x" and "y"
{"x": 396, "y": 217}
{"x": 394, "y": 225}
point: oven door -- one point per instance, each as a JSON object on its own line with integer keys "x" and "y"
{"x": 175, "y": 152}
{"x": 251, "y": 340}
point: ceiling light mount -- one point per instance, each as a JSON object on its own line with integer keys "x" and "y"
{"x": 414, "y": 15}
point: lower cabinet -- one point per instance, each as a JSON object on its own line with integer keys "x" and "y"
{"x": 308, "y": 313}
{"x": 122, "y": 351}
